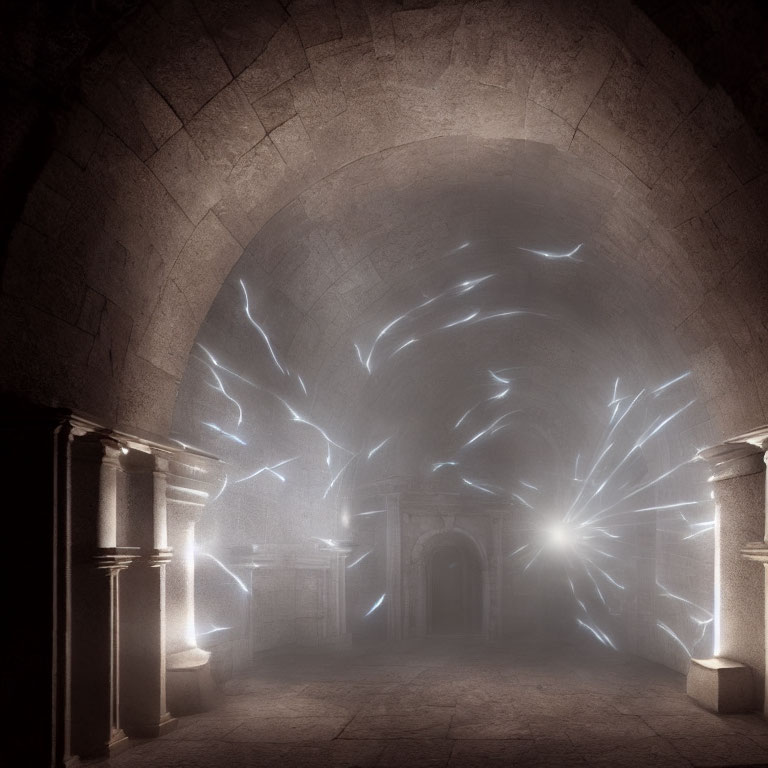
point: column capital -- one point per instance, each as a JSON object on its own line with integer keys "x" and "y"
{"x": 191, "y": 478}
{"x": 160, "y": 556}
{"x": 755, "y": 550}
{"x": 757, "y": 437}
{"x": 115, "y": 558}
{"x": 732, "y": 459}
{"x": 103, "y": 447}
{"x": 339, "y": 547}
{"x": 162, "y": 461}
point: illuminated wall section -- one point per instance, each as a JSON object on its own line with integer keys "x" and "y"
{"x": 472, "y": 329}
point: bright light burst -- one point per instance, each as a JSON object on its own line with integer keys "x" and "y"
{"x": 590, "y": 538}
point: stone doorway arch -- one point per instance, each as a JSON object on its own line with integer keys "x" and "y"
{"x": 421, "y": 590}
{"x": 454, "y": 590}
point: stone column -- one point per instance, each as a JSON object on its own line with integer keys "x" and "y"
{"x": 336, "y": 598}
{"x": 96, "y": 727}
{"x": 492, "y": 604}
{"x": 62, "y": 625}
{"x": 394, "y": 569}
{"x": 190, "y": 687}
{"x": 758, "y": 550}
{"x": 144, "y": 710}
{"x": 246, "y": 558}
{"x": 734, "y": 679}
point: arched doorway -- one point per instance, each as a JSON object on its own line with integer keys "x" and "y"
{"x": 454, "y": 591}
{"x": 449, "y": 588}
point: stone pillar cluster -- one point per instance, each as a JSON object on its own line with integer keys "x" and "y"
{"x": 734, "y": 679}
{"x": 125, "y": 658}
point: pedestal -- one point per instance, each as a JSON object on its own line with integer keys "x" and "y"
{"x": 97, "y": 731}
{"x": 735, "y": 676}
{"x": 189, "y": 684}
{"x": 394, "y": 569}
{"x": 144, "y": 710}
{"x": 721, "y": 685}
{"x": 336, "y": 598}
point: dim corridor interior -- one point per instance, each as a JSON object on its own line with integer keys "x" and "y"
{"x": 455, "y": 702}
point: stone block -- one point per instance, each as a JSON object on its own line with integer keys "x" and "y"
{"x": 283, "y": 58}
{"x": 177, "y": 56}
{"x": 240, "y": 28}
{"x": 721, "y": 685}
{"x": 190, "y": 684}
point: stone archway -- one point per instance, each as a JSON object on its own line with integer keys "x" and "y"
{"x": 419, "y": 586}
{"x": 454, "y": 590}
{"x": 194, "y": 132}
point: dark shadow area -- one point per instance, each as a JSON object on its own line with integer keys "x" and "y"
{"x": 454, "y": 592}
{"x": 456, "y": 702}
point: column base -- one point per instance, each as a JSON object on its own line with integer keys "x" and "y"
{"x": 189, "y": 685}
{"x": 166, "y": 724}
{"x": 721, "y": 685}
{"x": 118, "y": 743}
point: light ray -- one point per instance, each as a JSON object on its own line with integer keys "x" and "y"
{"x": 522, "y": 500}
{"x": 211, "y": 631}
{"x": 403, "y": 346}
{"x": 671, "y": 382}
{"x": 468, "y": 285}
{"x": 376, "y": 605}
{"x": 221, "y": 565}
{"x": 338, "y": 475}
{"x": 220, "y": 388}
{"x": 228, "y": 435}
{"x": 377, "y": 448}
{"x": 223, "y": 487}
{"x": 661, "y": 625}
{"x": 221, "y": 367}
{"x": 589, "y": 475}
{"x": 663, "y": 424}
{"x": 360, "y": 559}
{"x": 488, "y": 428}
{"x": 461, "y": 420}
{"x": 593, "y": 631}
{"x": 260, "y": 330}
{"x": 698, "y": 533}
{"x": 666, "y": 593}
{"x": 533, "y": 559}
{"x": 551, "y": 255}
{"x": 479, "y": 487}
{"x": 297, "y": 417}
{"x": 667, "y": 506}
{"x": 466, "y": 319}
{"x": 268, "y": 468}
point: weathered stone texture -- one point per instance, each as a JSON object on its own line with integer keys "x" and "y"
{"x": 172, "y": 136}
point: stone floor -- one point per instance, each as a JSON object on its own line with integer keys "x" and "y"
{"x": 456, "y": 703}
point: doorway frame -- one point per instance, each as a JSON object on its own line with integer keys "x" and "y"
{"x": 421, "y": 555}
